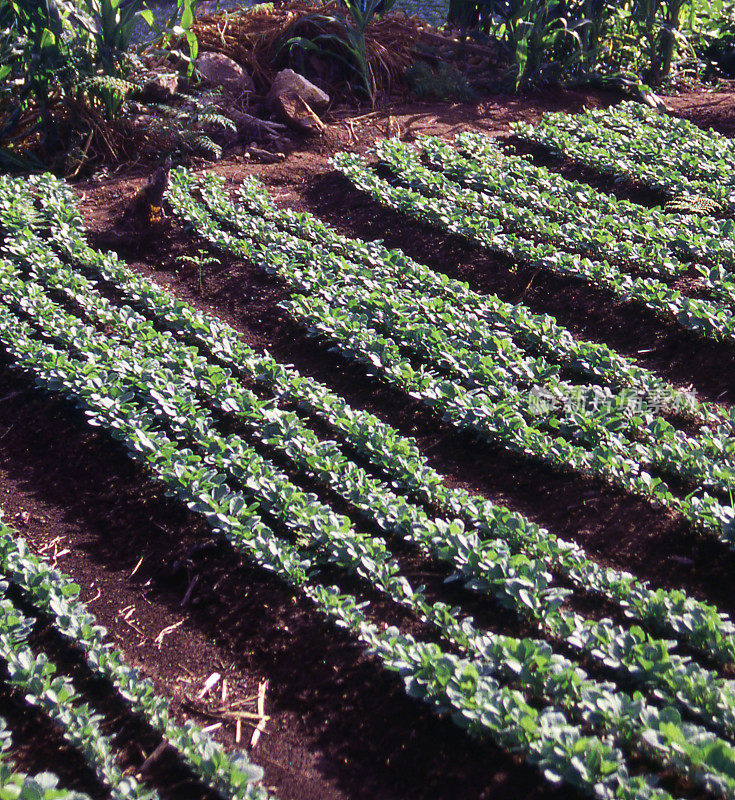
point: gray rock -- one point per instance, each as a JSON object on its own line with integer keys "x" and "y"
{"x": 296, "y": 101}
{"x": 654, "y": 101}
{"x": 161, "y": 86}
{"x": 290, "y": 83}
{"x": 219, "y": 70}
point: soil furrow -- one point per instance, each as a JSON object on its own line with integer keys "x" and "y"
{"x": 340, "y": 726}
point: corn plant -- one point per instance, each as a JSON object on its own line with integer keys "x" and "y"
{"x": 544, "y": 42}
{"x": 342, "y": 37}
{"x": 557, "y": 40}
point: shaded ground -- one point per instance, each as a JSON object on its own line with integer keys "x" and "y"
{"x": 708, "y": 108}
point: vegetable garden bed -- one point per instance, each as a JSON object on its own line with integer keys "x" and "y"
{"x": 307, "y": 472}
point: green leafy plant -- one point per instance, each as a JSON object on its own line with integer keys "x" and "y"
{"x": 176, "y": 30}
{"x": 713, "y": 28}
{"x": 199, "y": 262}
{"x": 48, "y": 49}
{"x": 342, "y": 37}
{"x": 114, "y": 25}
{"x": 444, "y": 82}
{"x": 67, "y": 69}
{"x": 167, "y": 406}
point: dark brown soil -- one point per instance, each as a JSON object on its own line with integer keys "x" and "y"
{"x": 711, "y": 107}
{"x": 339, "y": 726}
{"x": 590, "y": 313}
{"x": 37, "y": 743}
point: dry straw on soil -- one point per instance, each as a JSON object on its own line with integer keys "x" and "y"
{"x": 253, "y": 37}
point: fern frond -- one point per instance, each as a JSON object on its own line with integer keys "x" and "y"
{"x": 692, "y": 204}
{"x": 197, "y": 100}
{"x": 202, "y": 143}
{"x": 109, "y": 83}
{"x": 214, "y": 119}
{"x": 154, "y": 108}
{"x": 189, "y": 98}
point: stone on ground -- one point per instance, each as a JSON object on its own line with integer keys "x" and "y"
{"x": 296, "y": 101}
{"x": 219, "y": 70}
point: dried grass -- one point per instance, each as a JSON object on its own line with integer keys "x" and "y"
{"x": 91, "y": 138}
{"x": 253, "y": 36}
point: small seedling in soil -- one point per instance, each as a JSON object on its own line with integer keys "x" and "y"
{"x": 200, "y": 260}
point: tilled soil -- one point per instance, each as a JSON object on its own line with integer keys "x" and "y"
{"x": 339, "y": 726}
